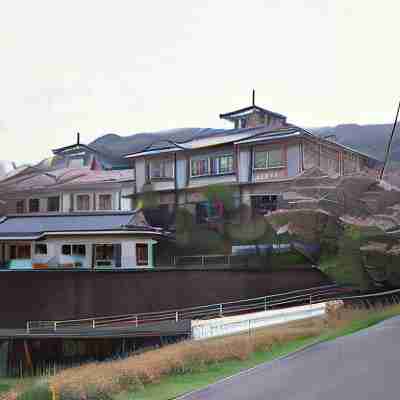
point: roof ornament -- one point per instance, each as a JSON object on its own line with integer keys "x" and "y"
{"x": 254, "y": 98}
{"x": 78, "y": 138}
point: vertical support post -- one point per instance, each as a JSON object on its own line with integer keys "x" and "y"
{"x": 265, "y": 303}
{"x": 27, "y": 327}
{"x": 94, "y": 324}
{"x": 55, "y": 326}
{"x": 310, "y": 298}
{"x": 176, "y": 316}
{"x": 136, "y": 321}
{"x": 221, "y": 310}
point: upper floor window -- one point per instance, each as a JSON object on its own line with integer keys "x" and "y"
{"x": 269, "y": 159}
{"x": 161, "y": 169}
{"x": 83, "y": 202}
{"x": 222, "y": 164}
{"x": 105, "y": 202}
{"x": 34, "y": 205}
{"x": 20, "y": 206}
{"x": 200, "y": 167}
{"x": 215, "y": 165}
{"x": 53, "y": 204}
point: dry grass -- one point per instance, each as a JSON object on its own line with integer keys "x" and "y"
{"x": 104, "y": 380}
{"x": 136, "y": 371}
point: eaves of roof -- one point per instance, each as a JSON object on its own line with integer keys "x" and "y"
{"x": 256, "y": 108}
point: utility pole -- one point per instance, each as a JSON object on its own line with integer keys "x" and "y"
{"x": 387, "y": 155}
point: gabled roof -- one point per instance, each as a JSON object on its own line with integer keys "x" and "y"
{"x": 36, "y": 226}
{"x": 247, "y": 110}
{"x": 64, "y": 178}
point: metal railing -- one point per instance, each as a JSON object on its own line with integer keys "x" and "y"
{"x": 264, "y": 303}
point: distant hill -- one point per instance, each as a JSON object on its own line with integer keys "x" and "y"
{"x": 371, "y": 139}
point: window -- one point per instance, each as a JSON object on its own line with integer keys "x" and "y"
{"x": 161, "y": 169}
{"x": 216, "y": 165}
{"x": 200, "y": 167}
{"x": 104, "y": 252}
{"x": 83, "y": 202}
{"x": 20, "y": 252}
{"x": 41, "y": 249}
{"x": 76, "y": 163}
{"x": 268, "y": 159}
{"x": 222, "y": 164}
{"x": 34, "y": 205}
{"x": 20, "y": 206}
{"x": 142, "y": 254}
{"x": 105, "y": 202}
{"x": 263, "y": 204}
{"x": 73, "y": 250}
{"x": 53, "y": 204}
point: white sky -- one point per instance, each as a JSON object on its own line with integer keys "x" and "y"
{"x": 132, "y": 66}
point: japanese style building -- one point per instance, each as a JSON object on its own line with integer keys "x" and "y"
{"x": 76, "y": 208}
{"x": 73, "y": 240}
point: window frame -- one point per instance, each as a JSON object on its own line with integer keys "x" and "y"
{"x": 142, "y": 262}
{"x": 39, "y": 253}
{"x": 29, "y": 204}
{"x": 163, "y": 168}
{"x": 99, "y": 202}
{"x": 267, "y": 166}
{"x": 210, "y": 160}
{"x": 52, "y": 198}
{"x": 77, "y": 196}
{"x": 71, "y": 249}
{"x": 20, "y": 206}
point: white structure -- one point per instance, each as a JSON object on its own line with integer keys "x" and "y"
{"x": 204, "y": 329}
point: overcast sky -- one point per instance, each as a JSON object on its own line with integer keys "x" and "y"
{"x": 139, "y": 66}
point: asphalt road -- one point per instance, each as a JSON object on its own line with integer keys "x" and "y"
{"x": 363, "y": 366}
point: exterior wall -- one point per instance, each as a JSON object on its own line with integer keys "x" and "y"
{"x": 65, "y": 199}
{"x": 293, "y": 160}
{"x": 244, "y": 164}
{"x": 181, "y": 170}
{"x": 59, "y": 295}
{"x": 54, "y": 256}
{"x": 140, "y": 168}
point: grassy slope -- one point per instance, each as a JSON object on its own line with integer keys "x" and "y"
{"x": 174, "y": 385}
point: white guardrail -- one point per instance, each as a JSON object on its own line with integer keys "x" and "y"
{"x": 205, "y": 329}
{"x": 280, "y": 300}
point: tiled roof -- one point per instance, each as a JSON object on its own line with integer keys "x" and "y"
{"x": 64, "y": 178}
{"x": 38, "y": 225}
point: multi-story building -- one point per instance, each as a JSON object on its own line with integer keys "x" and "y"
{"x": 258, "y": 159}
{"x": 79, "y": 208}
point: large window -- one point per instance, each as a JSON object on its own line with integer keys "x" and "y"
{"x": 269, "y": 159}
{"x": 161, "y": 169}
{"x": 213, "y": 165}
{"x": 53, "y": 204}
{"x": 105, "y": 202}
{"x": 20, "y": 252}
{"x": 34, "y": 205}
{"x": 142, "y": 254}
{"x": 20, "y": 206}
{"x": 83, "y": 202}
{"x": 105, "y": 255}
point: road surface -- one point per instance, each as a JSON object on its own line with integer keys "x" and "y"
{"x": 362, "y": 366}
